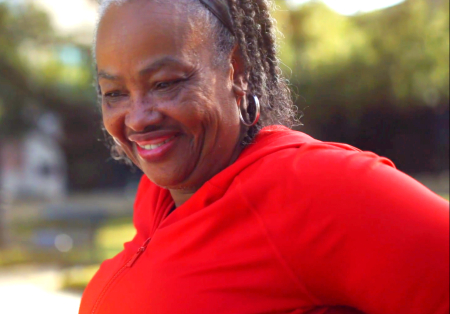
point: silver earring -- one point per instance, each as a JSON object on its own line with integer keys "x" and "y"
{"x": 257, "y": 113}
{"x": 117, "y": 142}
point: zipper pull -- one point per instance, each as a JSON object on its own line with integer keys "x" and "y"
{"x": 138, "y": 253}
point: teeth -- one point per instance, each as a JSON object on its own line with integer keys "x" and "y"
{"x": 154, "y": 146}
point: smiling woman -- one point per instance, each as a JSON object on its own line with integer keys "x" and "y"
{"x": 235, "y": 214}
{"x": 164, "y": 65}
{"x": 162, "y": 91}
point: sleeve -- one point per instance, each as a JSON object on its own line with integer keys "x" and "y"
{"x": 370, "y": 237}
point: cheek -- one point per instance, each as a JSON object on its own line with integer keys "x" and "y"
{"x": 113, "y": 122}
{"x": 212, "y": 112}
{"x": 197, "y": 110}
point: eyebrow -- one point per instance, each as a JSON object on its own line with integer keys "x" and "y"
{"x": 153, "y": 67}
{"x": 104, "y": 75}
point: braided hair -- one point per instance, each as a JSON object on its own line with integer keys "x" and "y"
{"x": 255, "y": 34}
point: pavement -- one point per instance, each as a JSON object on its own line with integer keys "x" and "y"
{"x": 25, "y": 290}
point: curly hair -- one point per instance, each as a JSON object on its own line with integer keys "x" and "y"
{"x": 255, "y": 34}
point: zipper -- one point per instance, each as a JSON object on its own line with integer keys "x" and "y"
{"x": 138, "y": 254}
{"x": 128, "y": 265}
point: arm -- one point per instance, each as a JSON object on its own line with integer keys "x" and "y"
{"x": 376, "y": 240}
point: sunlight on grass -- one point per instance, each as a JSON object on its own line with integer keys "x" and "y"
{"x": 78, "y": 278}
{"x": 13, "y": 256}
{"x": 109, "y": 242}
{"x": 111, "y": 237}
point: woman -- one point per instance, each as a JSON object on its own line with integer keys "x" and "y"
{"x": 236, "y": 217}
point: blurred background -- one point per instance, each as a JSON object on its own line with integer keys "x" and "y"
{"x": 373, "y": 74}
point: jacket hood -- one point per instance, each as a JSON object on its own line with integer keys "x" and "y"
{"x": 270, "y": 140}
{"x": 151, "y": 197}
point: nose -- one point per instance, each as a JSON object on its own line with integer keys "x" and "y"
{"x": 143, "y": 114}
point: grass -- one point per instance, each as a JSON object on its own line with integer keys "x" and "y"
{"x": 76, "y": 279}
{"x": 109, "y": 241}
{"x": 111, "y": 237}
{"x": 14, "y": 256}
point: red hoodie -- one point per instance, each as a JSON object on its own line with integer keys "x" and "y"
{"x": 295, "y": 225}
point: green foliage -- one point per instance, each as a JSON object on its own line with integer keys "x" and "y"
{"x": 398, "y": 55}
{"x": 34, "y": 72}
{"x": 412, "y": 40}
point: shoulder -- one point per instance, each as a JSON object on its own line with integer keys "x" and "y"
{"x": 294, "y": 158}
{"x": 336, "y": 214}
{"x": 332, "y": 180}
{"x": 316, "y": 181}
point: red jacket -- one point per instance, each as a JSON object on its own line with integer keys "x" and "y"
{"x": 295, "y": 225}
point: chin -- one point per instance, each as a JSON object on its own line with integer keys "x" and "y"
{"x": 170, "y": 179}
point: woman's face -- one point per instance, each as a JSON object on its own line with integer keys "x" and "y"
{"x": 173, "y": 112}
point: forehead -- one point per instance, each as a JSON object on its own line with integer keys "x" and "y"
{"x": 141, "y": 29}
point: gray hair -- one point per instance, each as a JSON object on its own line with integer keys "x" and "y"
{"x": 202, "y": 16}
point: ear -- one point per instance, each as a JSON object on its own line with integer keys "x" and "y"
{"x": 238, "y": 75}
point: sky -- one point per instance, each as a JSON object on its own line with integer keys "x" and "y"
{"x": 349, "y": 7}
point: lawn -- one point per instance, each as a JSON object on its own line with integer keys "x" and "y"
{"x": 109, "y": 241}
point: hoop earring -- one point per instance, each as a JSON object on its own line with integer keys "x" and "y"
{"x": 117, "y": 142}
{"x": 257, "y": 113}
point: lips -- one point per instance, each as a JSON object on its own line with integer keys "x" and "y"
{"x": 154, "y": 146}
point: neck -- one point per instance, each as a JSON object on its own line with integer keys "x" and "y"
{"x": 180, "y": 196}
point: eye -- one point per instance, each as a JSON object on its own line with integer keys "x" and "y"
{"x": 114, "y": 94}
{"x": 114, "y": 97}
{"x": 162, "y": 86}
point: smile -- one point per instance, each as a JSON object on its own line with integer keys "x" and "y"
{"x": 155, "y": 146}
